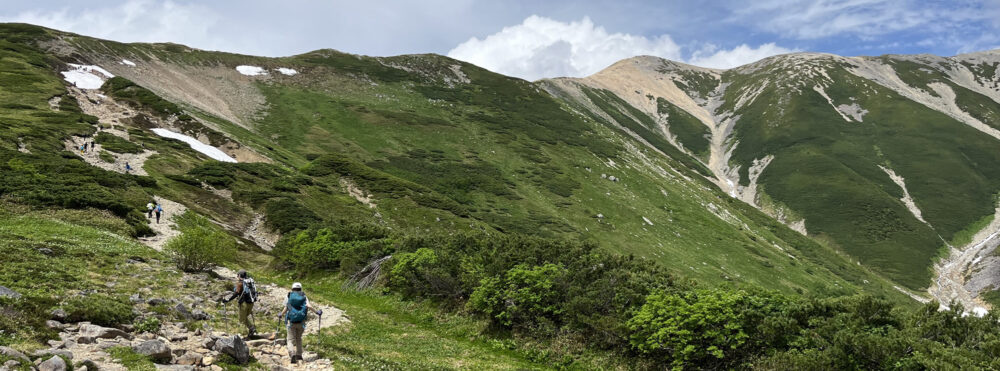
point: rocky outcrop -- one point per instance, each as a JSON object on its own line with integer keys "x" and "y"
{"x": 8, "y": 293}
{"x": 156, "y": 350}
{"x": 53, "y": 364}
{"x": 234, "y": 347}
{"x": 98, "y": 332}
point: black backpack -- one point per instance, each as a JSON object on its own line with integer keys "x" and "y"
{"x": 249, "y": 294}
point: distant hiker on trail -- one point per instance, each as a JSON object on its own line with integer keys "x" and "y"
{"x": 296, "y": 306}
{"x": 92, "y": 146}
{"x": 83, "y": 148}
{"x": 128, "y": 168}
{"x": 246, "y": 290}
{"x": 159, "y": 212}
{"x": 149, "y": 210}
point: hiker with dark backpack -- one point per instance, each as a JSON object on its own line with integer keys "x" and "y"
{"x": 296, "y": 307}
{"x": 246, "y": 290}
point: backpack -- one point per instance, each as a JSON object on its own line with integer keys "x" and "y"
{"x": 249, "y": 294}
{"x": 296, "y": 307}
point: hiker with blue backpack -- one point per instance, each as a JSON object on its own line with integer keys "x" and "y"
{"x": 294, "y": 314}
{"x": 246, "y": 291}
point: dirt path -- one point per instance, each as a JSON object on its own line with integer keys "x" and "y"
{"x": 167, "y": 227}
{"x": 951, "y": 272}
{"x": 135, "y": 160}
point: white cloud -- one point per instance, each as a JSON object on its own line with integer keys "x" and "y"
{"x": 738, "y": 56}
{"x": 542, "y": 47}
{"x": 133, "y": 20}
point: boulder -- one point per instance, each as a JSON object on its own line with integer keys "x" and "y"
{"x": 207, "y": 361}
{"x": 155, "y": 301}
{"x": 235, "y": 347}
{"x": 88, "y": 364}
{"x": 10, "y": 365}
{"x": 13, "y": 354}
{"x": 200, "y": 315}
{"x": 59, "y": 315}
{"x": 156, "y": 350}
{"x": 182, "y": 310}
{"x": 54, "y": 325}
{"x": 86, "y": 340}
{"x": 190, "y": 358}
{"x": 99, "y": 332}
{"x": 53, "y": 364}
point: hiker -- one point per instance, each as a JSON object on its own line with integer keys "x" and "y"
{"x": 159, "y": 211}
{"x": 92, "y": 146}
{"x": 296, "y": 306}
{"x": 83, "y": 148}
{"x": 149, "y": 210}
{"x": 246, "y": 290}
{"x": 128, "y": 167}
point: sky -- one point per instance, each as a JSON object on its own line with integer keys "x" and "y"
{"x": 534, "y": 39}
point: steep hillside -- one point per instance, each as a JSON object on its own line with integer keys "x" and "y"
{"x": 885, "y": 158}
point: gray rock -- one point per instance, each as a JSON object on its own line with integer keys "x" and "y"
{"x": 10, "y": 365}
{"x": 45, "y": 250}
{"x": 8, "y": 293}
{"x": 200, "y": 315}
{"x": 90, "y": 365}
{"x": 156, "y": 301}
{"x": 55, "y": 325}
{"x": 86, "y": 340}
{"x": 235, "y": 347}
{"x": 59, "y": 315}
{"x": 208, "y": 343}
{"x": 12, "y": 353}
{"x": 309, "y": 356}
{"x": 99, "y": 332}
{"x": 53, "y": 364}
{"x": 181, "y": 309}
{"x": 156, "y": 350}
{"x": 135, "y": 298}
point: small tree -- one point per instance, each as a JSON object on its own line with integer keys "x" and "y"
{"x": 201, "y": 244}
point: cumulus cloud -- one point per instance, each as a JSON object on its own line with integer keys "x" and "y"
{"x": 711, "y": 57}
{"x": 132, "y": 21}
{"x": 542, "y": 47}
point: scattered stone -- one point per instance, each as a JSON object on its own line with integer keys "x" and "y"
{"x": 12, "y": 353}
{"x": 55, "y": 344}
{"x": 234, "y": 347}
{"x": 179, "y": 352}
{"x": 156, "y": 350}
{"x": 207, "y": 361}
{"x": 88, "y": 364}
{"x": 191, "y": 358}
{"x": 86, "y": 340}
{"x": 208, "y": 343}
{"x": 53, "y": 364}
{"x": 155, "y": 301}
{"x": 309, "y": 356}
{"x": 11, "y": 364}
{"x": 8, "y": 293}
{"x": 135, "y": 298}
{"x": 200, "y": 315}
{"x": 59, "y": 315}
{"x": 103, "y": 332}
{"x": 45, "y": 251}
{"x": 182, "y": 310}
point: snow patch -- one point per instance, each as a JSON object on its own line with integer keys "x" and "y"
{"x": 286, "y": 71}
{"x": 645, "y": 219}
{"x": 128, "y": 63}
{"x": 853, "y": 110}
{"x": 86, "y": 76}
{"x": 907, "y": 200}
{"x": 251, "y": 70}
{"x": 205, "y": 149}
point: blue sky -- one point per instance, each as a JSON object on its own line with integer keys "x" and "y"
{"x": 534, "y": 39}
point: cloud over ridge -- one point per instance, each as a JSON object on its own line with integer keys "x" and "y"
{"x": 542, "y": 47}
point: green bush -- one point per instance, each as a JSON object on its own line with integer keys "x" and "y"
{"x": 116, "y": 144}
{"x": 420, "y": 273}
{"x": 525, "y": 295}
{"x": 149, "y": 324}
{"x": 100, "y": 309}
{"x": 201, "y": 244}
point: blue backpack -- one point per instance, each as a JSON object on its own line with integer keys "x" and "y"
{"x": 296, "y": 307}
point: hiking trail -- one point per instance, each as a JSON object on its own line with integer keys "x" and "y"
{"x": 950, "y": 283}
{"x": 167, "y": 227}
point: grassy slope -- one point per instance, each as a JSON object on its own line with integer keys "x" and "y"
{"x": 826, "y": 169}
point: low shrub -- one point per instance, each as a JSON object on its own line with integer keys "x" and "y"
{"x": 201, "y": 244}
{"x": 100, "y": 309}
{"x": 149, "y": 324}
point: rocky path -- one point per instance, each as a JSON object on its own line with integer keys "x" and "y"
{"x": 167, "y": 227}
{"x": 950, "y": 282}
{"x": 194, "y": 333}
{"x": 135, "y": 160}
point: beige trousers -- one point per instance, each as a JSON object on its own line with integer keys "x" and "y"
{"x": 245, "y": 310}
{"x": 295, "y": 331}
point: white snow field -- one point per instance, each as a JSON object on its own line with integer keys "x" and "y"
{"x": 208, "y": 150}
